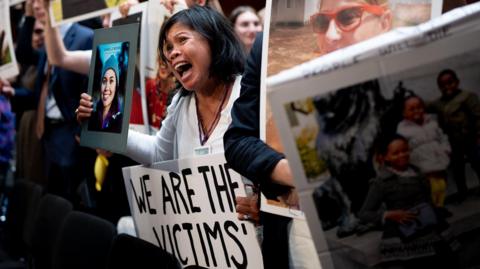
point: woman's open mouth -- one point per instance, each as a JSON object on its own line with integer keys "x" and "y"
{"x": 183, "y": 68}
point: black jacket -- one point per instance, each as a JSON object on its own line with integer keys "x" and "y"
{"x": 251, "y": 157}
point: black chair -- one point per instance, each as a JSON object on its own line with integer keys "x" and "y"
{"x": 52, "y": 211}
{"x": 83, "y": 242}
{"x": 22, "y": 207}
{"x": 132, "y": 252}
{"x": 20, "y": 217}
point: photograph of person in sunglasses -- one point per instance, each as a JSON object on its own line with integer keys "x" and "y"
{"x": 324, "y": 26}
{"x": 340, "y": 23}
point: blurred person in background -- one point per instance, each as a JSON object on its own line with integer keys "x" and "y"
{"x": 247, "y": 24}
{"x": 30, "y": 40}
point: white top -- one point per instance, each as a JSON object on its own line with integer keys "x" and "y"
{"x": 429, "y": 146}
{"x": 179, "y": 135}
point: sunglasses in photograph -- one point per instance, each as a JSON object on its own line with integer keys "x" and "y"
{"x": 346, "y": 19}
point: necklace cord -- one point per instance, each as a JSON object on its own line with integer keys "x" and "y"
{"x": 204, "y": 133}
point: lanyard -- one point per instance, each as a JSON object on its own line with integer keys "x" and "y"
{"x": 204, "y": 133}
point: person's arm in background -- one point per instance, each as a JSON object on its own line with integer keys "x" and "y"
{"x": 76, "y": 61}
{"x": 170, "y": 4}
{"x": 125, "y": 7}
{"x": 24, "y": 51}
{"x": 21, "y": 97}
{"x": 244, "y": 151}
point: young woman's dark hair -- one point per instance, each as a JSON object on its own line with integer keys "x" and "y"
{"x": 115, "y": 107}
{"x": 226, "y": 51}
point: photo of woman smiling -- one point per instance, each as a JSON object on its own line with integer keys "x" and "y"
{"x": 107, "y": 114}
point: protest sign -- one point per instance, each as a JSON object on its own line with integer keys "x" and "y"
{"x": 110, "y": 85}
{"x": 138, "y": 114}
{"x": 8, "y": 61}
{"x": 349, "y": 100}
{"x": 187, "y": 207}
{"x": 65, "y": 11}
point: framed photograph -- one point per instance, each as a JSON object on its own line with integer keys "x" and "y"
{"x": 110, "y": 85}
{"x": 350, "y": 113}
{"x": 8, "y": 61}
{"x": 65, "y": 11}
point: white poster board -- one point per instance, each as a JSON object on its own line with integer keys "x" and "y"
{"x": 158, "y": 88}
{"x": 137, "y": 13}
{"x": 187, "y": 207}
{"x": 8, "y": 61}
{"x": 339, "y": 109}
{"x": 67, "y": 11}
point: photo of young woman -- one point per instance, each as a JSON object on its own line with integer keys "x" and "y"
{"x": 108, "y": 104}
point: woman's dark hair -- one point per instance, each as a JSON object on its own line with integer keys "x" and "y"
{"x": 383, "y": 142}
{"x": 238, "y": 11}
{"x": 226, "y": 51}
{"x": 447, "y": 72}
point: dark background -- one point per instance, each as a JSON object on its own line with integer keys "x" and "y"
{"x": 229, "y": 5}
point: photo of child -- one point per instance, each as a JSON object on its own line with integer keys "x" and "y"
{"x": 459, "y": 113}
{"x": 411, "y": 227}
{"x": 401, "y": 151}
{"x": 430, "y": 149}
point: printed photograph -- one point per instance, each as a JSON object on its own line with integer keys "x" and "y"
{"x": 160, "y": 84}
{"x": 109, "y": 87}
{"x": 8, "y": 61}
{"x": 324, "y": 26}
{"x": 5, "y": 56}
{"x": 136, "y": 114}
{"x": 77, "y": 10}
{"x": 401, "y": 158}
